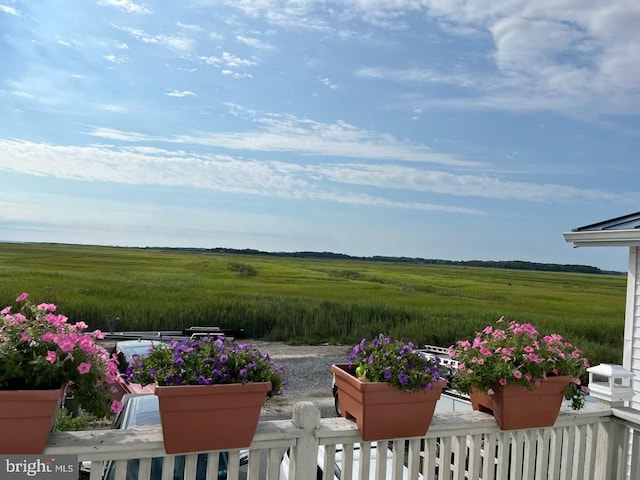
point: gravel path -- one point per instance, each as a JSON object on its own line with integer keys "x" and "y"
{"x": 308, "y": 369}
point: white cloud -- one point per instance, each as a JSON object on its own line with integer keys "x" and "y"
{"x": 328, "y": 83}
{"x": 420, "y": 75}
{"x": 121, "y": 46}
{"x": 113, "y": 59}
{"x": 112, "y": 108}
{"x": 193, "y": 28}
{"x": 227, "y": 60}
{"x": 177, "y": 43}
{"x": 254, "y": 42}
{"x": 128, "y": 6}
{"x": 165, "y": 168}
{"x": 178, "y": 93}
{"x": 22, "y": 94}
{"x": 288, "y": 133}
{"x": 8, "y": 10}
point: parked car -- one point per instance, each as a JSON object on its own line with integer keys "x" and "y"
{"x": 126, "y": 349}
{"x": 141, "y": 410}
{"x": 338, "y": 467}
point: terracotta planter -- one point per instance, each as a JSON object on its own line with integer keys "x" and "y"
{"x": 26, "y": 419}
{"x": 198, "y": 418}
{"x": 514, "y": 407}
{"x": 383, "y": 411}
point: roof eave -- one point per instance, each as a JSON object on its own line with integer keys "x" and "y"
{"x": 604, "y": 238}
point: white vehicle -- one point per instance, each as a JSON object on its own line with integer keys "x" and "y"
{"x": 337, "y": 472}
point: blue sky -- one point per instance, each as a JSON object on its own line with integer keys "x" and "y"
{"x": 459, "y": 129}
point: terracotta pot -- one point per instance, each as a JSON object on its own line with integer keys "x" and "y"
{"x": 197, "y": 418}
{"x": 26, "y": 419}
{"x": 383, "y": 411}
{"x": 514, "y": 407}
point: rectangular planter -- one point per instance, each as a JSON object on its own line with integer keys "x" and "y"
{"x": 197, "y": 418}
{"x": 515, "y": 407}
{"x": 26, "y": 419}
{"x": 383, "y": 411}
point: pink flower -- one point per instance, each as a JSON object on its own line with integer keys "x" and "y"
{"x": 488, "y": 330}
{"x": 98, "y": 334}
{"x": 529, "y": 349}
{"x": 84, "y": 367}
{"x": 528, "y": 376}
{"x": 47, "y": 307}
{"x": 485, "y": 351}
{"x": 501, "y": 319}
{"x": 502, "y": 381}
{"x": 79, "y": 325}
{"x": 116, "y": 406}
{"x": 22, "y": 296}
{"x": 481, "y": 361}
{"x": 534, "y": 358}
{"x": 51, "y": 356}
{"x": 5, "y": 310}
{"x": 67, "y": 344}
{"x": 517, "y": 374}
{"x": 25, "y": 337}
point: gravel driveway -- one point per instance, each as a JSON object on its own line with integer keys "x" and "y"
{"x": 308, "y": 370}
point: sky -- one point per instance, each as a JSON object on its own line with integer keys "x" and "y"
{"x": 450, "y": 129}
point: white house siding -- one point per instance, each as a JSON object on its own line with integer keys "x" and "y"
{"x": 631, "y": 358}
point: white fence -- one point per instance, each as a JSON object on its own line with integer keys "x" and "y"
{"x": 588, "y": 444}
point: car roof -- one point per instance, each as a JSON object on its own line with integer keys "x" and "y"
{"x": 140, "y": 410}
{"x": 134, "y": 347}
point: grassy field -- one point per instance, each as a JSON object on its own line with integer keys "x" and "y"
{"x": 301, "y": 300}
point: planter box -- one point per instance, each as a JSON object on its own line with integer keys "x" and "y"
{"x": 26, "y": 419}
{"x": 383, "y": 411}
{"x": 198, "y": 418}
{"x": 515, "y": 407}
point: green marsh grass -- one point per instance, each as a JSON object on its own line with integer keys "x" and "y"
{"x": 311, "y": 301}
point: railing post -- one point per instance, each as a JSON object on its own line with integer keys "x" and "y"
{"x": 304, "y": 454}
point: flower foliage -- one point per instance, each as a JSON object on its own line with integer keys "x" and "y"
{"x": 395, "y": 362}
{"x": 39, "y": 349}
{"x": 205, "y": 361}
{"x": 518, "y": 354}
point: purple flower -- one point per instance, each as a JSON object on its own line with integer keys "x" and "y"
{"x": 387, "y": 373}
{"x": 402, "y": 378}
{"x": 224, "y": 357}
{"x": 243, "y": 372}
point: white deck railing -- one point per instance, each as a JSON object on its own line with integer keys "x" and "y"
{"x": 589, "y": 444}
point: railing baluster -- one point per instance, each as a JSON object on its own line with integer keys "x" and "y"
{"x": 144, "y": 470}
{"x": 121, "y": 470}
{"x": 489, "y": 455}
{"x": 97, "y": 467}
{"x": 578, "y": 453}
{"x": 517, "y": 452}
{"x": 474, "y": 445}
{"x": 504, "y": 447}
{"x": 233, "y": 469}
{"x": 542, "y": 454}
{"x": 635, "y": 455}
{"x": 459, "y": 457}
{"x": 347, "y": 459}
{"x": 590, "y": 448}
{"x": 529, "y": 454}
{"x": 273, "y": 463}
{"x": 444, "y": 459}
{"x": 365, "y": 460}
{"x": 568, "y": 441}
{"x": 413, "y": 460}
{"x": 429, "y": 460}
{"x": 381, "y": 463}
{"x": 555, "y": 453}
{"x": 253, "y": 467}
{"x": 329, "y": 462}
{"x": 168, "y": 463}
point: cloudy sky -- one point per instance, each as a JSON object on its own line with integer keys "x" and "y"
{"x": 453, "y": 129}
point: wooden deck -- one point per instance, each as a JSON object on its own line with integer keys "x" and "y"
{"x": 598, "y": 442}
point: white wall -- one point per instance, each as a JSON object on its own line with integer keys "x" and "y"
{"x": 631, "y": 358}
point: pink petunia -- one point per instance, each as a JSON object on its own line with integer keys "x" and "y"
{"x": 84, "y": 367}
{"x": 51, "y": 356}
{"x": 485, "y": 351}
{"x": 517, "y": 374}
{"x": 116, "y": 406}
{"x": 502, "y": 381}
{"x": 5, "y": 310}
{"x": 22, "y": 296}
{"x": 47, "y": 307}
{"x": 25, "y": 337}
